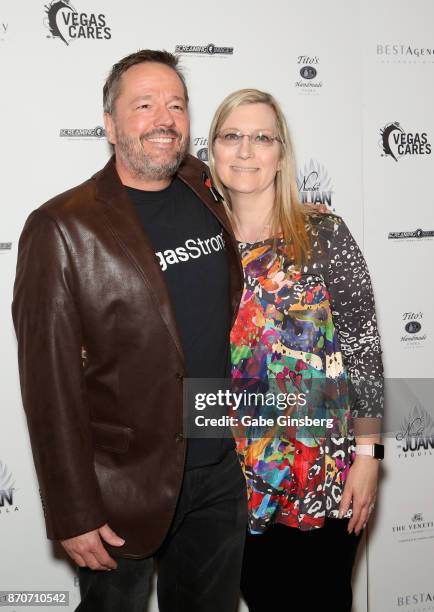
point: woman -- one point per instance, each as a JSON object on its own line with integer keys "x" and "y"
{"x": 306, "y": 323}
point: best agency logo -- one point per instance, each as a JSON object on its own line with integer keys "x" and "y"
{"x": 65, "y": 22}
{"x": 412, "y": 602}
{"x": 95, "y": 133}
{"x": 7, "y": 491}
{"x": 314, "y": 185}
{"x": 200, "y": 145}
{"x": 413, "y": 335}
{"x": 416, "y": 436}
{"x": 396, "y": 143}
{"x": 307, "y": 68}
{"x": 404, "y": 54}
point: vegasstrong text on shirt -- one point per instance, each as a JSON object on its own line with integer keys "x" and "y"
{"x": 193, "y": 248}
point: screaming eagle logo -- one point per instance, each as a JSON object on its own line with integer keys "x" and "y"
{"x": 396, "y": 143}
{"x": 65, "y": 22}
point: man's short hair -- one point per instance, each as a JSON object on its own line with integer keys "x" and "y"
{"x": 113, "y": 83}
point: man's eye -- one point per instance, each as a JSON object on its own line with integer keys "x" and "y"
{"x": 144, "y": 106}
{"x": 177, "y": 107}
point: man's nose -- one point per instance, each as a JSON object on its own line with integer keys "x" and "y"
{"x": 163, "y": 117}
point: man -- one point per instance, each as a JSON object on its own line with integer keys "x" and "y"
{"x": 125, "y": 285}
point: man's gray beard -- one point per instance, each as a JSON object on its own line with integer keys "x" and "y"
{"x": 141, "y": 165}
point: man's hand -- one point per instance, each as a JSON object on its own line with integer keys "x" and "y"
{"x": 360, "y": 491}
{"x": 87, "y": 549}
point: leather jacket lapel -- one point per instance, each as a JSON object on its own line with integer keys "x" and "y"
{"x": 195, "y": 174}
{"x": 195, "y": 178}
{"x": 128, "y": 231}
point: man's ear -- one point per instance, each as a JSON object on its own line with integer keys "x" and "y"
{"x": 110, "y": 128}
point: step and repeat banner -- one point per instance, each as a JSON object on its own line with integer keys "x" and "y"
{"x": 356, "y": 80}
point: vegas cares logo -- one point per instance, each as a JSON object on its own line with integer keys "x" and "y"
{"x": 7, "y": 491}
{"x": 65, "y": 22}
{"x": 395, "y": 142}
{"x": 3, "y": 30}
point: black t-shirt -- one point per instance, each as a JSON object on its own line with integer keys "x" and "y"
{"x": 188, "y": 243}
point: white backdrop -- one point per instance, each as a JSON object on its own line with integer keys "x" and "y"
{"x": 371, "y": 64}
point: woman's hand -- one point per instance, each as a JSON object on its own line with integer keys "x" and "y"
{"x": 360, "y": 492}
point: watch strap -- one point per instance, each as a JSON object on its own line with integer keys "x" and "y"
{"x": 370, "y": 450}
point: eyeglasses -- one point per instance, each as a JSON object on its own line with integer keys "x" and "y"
{"x": 259, "y": 138}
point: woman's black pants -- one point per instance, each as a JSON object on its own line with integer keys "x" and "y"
{"x": 288, "y": 570}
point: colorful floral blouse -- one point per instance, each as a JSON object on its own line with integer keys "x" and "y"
{"x": 296, "y": 327}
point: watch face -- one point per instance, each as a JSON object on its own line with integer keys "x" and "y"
{"x": 378, "y": 451}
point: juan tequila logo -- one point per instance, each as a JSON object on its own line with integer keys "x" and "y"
{"x": 416, "y": 435}
{"x": 314, "y": 184}
{"x": 7, "y": 491}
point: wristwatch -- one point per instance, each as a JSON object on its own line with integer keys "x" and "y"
{"x": 371, "y": 450}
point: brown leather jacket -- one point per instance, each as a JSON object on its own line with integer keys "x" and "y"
{"x": 101, "y": 364}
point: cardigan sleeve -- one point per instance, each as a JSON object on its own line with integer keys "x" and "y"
{"x": 353, "y": 312}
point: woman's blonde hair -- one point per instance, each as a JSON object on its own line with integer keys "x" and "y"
{"x": 289, "y": 214}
